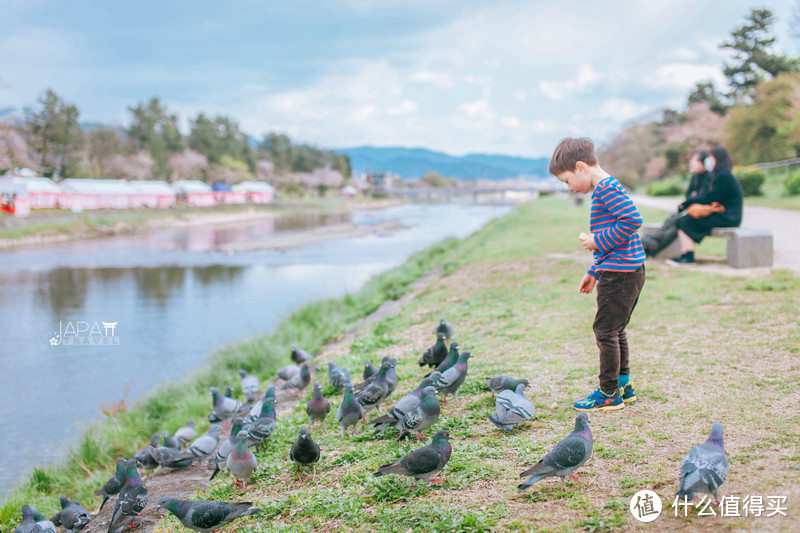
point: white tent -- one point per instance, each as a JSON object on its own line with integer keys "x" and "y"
{"x": 258, "y": 192}
{"x": 194, "y": 192}
{"x": 95, "y": 194}
{"x": 152, "y": 193}
{"x": 42, "y": 192}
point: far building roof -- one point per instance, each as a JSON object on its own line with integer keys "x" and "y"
{"x": 152, "y": 187}
{"x": 34, "y": 184}
{"x": 254, "y": 186}
{"x": 191, "y": 186}
{"x": 91, "y": 186}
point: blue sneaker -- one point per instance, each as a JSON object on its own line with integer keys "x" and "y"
{"x": 600, "y": 401}
{"x": 628, "y": 393}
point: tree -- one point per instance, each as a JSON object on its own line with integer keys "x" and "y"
{"x": 753, "y": 57}
{"x": 433, "y": 179}
{"x": 54, "y": 134}
{"x": 705, "y": 91}
{"x": 104, "y": 144}
{"x": 154, "y": 130}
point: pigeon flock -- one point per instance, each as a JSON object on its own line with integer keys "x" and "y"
{"x": 253, "y": 422}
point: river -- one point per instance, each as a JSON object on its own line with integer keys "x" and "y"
{"x": 161, "y": 304}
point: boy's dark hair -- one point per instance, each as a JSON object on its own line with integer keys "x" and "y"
{"x": 568, "y": 152}
{"x": 701, "y": 155}
{"x": 723, "y": 160}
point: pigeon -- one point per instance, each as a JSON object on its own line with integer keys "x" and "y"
{"x": 350, "y": 410}
{"x": 299, "y": 381}
{"x": 369, "y": 380}
{"x": 114, "y": 484}
{"x": 286, "y": 373}
{"x": 337, "y": 376}
{"x": 422, "y": 417}
{"x": 450, "y": 360}
{"x": 45, "y": 525}
{"x": 304, "y": 452}
{"x": 512, "y": 408}
{"x": 241, "y": 462}
{"x": 28, "y": 524}
{"x": 318, "y": 407}
{"x": 170, "y": 458}
{"x": 565, "y": 458}
{"x": 453, "y": 377}
{"x": 204, "y": 445}
{"x": 406, "y": 404}
{"x": 373, "y": 395}
{"x": 445, "y": 328}
{"x": 186, "y": 434}
{"x": 72, "y": 516}
{"x": 221, "y": 457}
{"x": 255, "y": 411}
{"x": 501, "y": 383}
{"x": 229, "y": 392}
{"x": 260, "y": 430}
{"x": 705, "y": 467}
{"x": 206, "y": 516}
{"x": 130, "y": 502}
{"x": 300, "y": 356}
{"x": 435, "y": 354}
{"x": 249, "y": 385}
{"x": 224, "y": 408}
{"x": 424, "y": 462}
{"x": 145, "y": 457}
{"x": 169, "y": 442}
{"x": 391, "y": 378}
{"x": 369, "y": 370}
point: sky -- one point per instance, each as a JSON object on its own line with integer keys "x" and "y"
{"x": 503, "y": 77}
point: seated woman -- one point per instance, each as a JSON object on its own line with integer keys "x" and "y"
{"x": 701, "y": 180}
{"x": 719, "y": 207}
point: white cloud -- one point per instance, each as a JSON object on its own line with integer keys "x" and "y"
{"x": 684, "y": 76}
{"x": 520, "y": 96}
{"x": 406, "y": 107}
{"x": 682, "y": 53}
{"x": 510, "y": 122}
{"x": 481, "y": 81}
{"x": 558, "y": 90}
{"x": 442, "y": 80}
{"x": 479, "y": 109}
{"x": 621, "y": 110}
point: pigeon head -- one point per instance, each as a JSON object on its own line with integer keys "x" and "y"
{"x": 367, "y": 364}
{"x": 214, "y": 429}
{"x": 154, "y": 440}
{"x": 64, "y": 502}
{"x": 331, "y": 365}
{"x": 229, "y": 391}
{"x": 441, "y": 337}
{"x": 304, "y": 434}
{"x": 430, "y": 390}
{"x": 441, "y": 321}
{"x": 37, "y": 516}
{"x": 429, "y": 381}
{"x": 525, "y": 382}
{"x": 716, "y": 435}
{"x": 176, "y": 506}
{"x": 317, "y": 387}
{"x": 582, "y": 423}
{"x": 268, "y": 407}
{"x": 242, "y": 372}
{"x": 237, "y": 426}
{"x": 464, "y": 356}
{"x": 190, "y": 423}
{"x": 441, "y": 437}
{"x": 26, "y": 512}
{"x": 270, "y": 392}
{"x": 454, "y": 345}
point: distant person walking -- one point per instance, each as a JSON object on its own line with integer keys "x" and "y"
{"x": 719, "y": 207}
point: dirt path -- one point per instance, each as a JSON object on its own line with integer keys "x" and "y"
{"x": 784, "y": 224}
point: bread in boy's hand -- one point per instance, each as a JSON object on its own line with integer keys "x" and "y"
{"x": 583, "y": 236}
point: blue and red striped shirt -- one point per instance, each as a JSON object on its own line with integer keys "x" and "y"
{"x": 615, "y": 223}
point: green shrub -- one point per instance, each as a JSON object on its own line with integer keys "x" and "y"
{"x": 751, "y": 182}
{"x": 791, "y": 185}
{"x": 660, "y": 188}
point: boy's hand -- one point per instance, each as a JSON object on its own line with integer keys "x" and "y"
{"x": 587, "y": 284}
{"x": 587, "y": 241}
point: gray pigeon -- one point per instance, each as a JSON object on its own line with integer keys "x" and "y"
{"x": 407, "y": 403}
{"x": 450, "y": 360}
{"x": 241, "y": 462}
{"x": 375, "y": 393}
{"x": 369, "y": 370}
{"x": 224, "y": 408}
{"x": 170, "y": 458}
{"x": 299, "y": 381}
{"x": 72, "y": 516}
{"x": 255, "y": 411}
{"x": 260, "y": 430}
{"x": 501, "y": 383}
{"x": 705, "y": 467}
{"x": 204, "y": 445}
{"x": 28, "y": 524}
{"x": 435, "y": 354}
{"x": 453, "y": 377}
{"x": 186, "y": 434}
{"x": 512, "y": 408}
{"x": 368, "y": 381}
{"x": 130, "y": 502}
{"x": 114, "y": 484}
{"x": 445, "y": 328}
{"x": 221, "y": 457}
{"x": 249, "y": 385}
{"x": 391, "y": 378}
{"x": 422, "y": 417}
{"x": 304, "y": 452}
{"x": 45, "y": 525}
{"x": 300, "y": 356}
{"x": 286, "y": 373}
{"x": 206, "y": 516}
{"x": 318, "y": 407}
{"x": 565, "y": 458}
{"x": 168, "y": 441}
{"x": 350, "y": 410}
{"x": 337, "y": 376}
{"x": 424, "y": 462}
{"x": 145, "y": 456}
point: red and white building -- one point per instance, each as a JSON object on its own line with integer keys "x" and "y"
{"x": 43, "y": 193}
{"x": 257, "y": 192}
{"x": 80, "y": 194}
{"x": 194, "y": 192}
{"x": 151, "y": 193}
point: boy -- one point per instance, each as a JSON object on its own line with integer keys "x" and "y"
{"x": 618, "y": 269}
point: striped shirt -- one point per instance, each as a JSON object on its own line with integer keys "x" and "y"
{"x": 615, "y": 223}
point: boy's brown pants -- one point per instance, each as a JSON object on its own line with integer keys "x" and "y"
{"x": 617, "y": 294}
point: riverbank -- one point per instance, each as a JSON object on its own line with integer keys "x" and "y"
{"x": 510, "y": 290}
{"x": 57, "y": 226}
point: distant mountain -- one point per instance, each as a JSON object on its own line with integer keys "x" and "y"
{"x": 415, "y": 162}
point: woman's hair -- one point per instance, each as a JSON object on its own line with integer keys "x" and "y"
{"x": 701, "y": 155}
{"x": 723, "y": 160}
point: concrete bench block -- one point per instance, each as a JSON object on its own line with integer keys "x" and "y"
{"x": 747, "y": 248}
{"x": 674, "y": 248}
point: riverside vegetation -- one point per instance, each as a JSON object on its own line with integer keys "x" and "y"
{"x": 706, "y": 348}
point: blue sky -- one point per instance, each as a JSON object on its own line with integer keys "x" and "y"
{"x": 505, "y": 76}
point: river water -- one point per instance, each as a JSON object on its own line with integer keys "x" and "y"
{"x": 87, "y": 324}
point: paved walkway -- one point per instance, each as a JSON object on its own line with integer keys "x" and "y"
{"x": 784, "y": 223}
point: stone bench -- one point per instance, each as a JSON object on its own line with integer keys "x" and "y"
{"x": 747, "y": 247}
